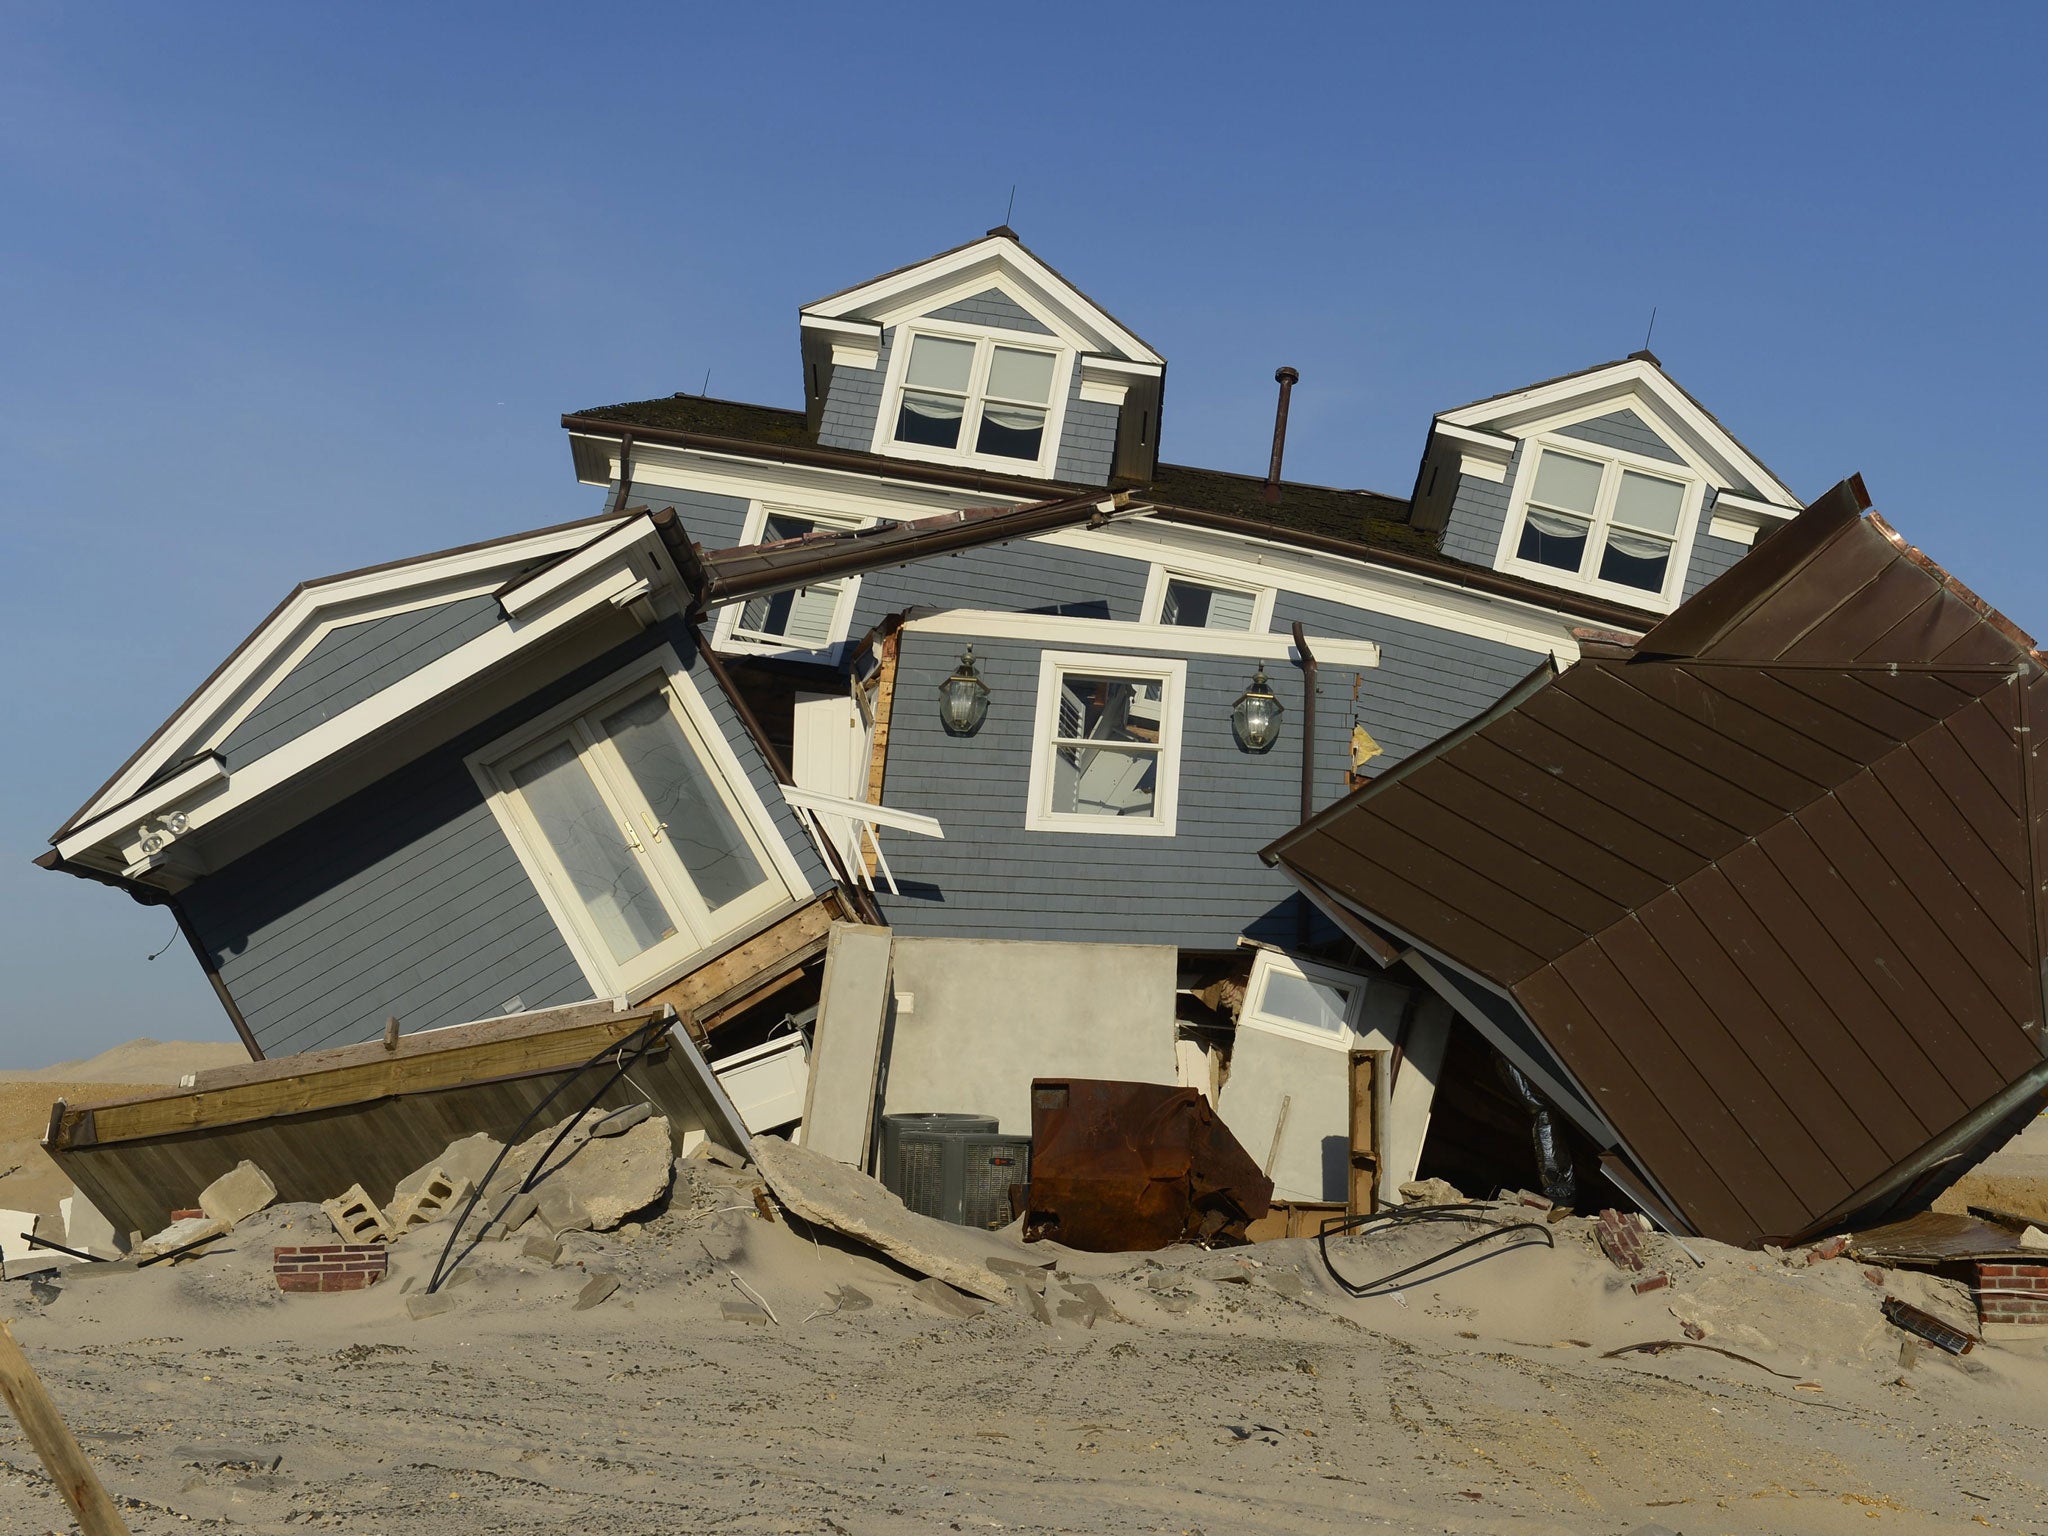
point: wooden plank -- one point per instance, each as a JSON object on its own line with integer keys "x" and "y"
{"x": 46, "y": 1430}
{"x": 878, "y": 753}
{"x": 1362, "y": 1189}
{"x": 766, "y": 955}
{"x": 202, "y": 1109}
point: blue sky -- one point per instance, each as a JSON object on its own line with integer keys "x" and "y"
{"x": 286, "y": 290}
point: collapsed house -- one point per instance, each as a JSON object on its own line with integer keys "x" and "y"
{"x": 923, "y": 743}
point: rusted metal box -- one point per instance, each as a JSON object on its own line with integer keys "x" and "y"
{"x": 1117, "y": 1167}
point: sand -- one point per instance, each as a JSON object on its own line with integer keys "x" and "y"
{"x": 1225, "y": 1392}
{"x": 161, "y": 1062}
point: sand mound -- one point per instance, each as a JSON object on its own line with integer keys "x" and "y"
{"x": 158, "y": 1062}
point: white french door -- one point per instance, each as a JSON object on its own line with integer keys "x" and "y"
{"x": 648, "y": 848}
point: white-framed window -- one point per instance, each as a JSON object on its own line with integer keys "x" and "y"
{"x": 635, "y": 822}
{"x": 1602, "y": 521}
{"x": 1203, "y": 602}
{"x": 958, "y": 396}
{"x": 1105, "y": 749}
{"x": 802, "y": 619}
{"x": 1303, "y": 1000}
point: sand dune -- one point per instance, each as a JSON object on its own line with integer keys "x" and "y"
{"x": 161, "y": 1062}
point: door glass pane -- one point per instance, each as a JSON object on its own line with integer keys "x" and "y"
{"x": 1563, "y": 481}
{"x": 1300, "y": 1000}
{"x": 586, "y": 841}
{"x": 1015, "y": 375}
{"x": 1646, "y": 502}
{"x": 689, "y": 812}
{"x": 939, "y": 363}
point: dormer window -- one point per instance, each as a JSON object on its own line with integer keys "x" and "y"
{"x": 977, "y": 399}
{"x": 1608, "y": 524}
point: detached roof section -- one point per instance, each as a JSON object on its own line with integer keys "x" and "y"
{"x": 1764, "y": 891}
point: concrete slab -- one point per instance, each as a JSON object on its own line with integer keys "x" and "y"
{"x": 823, "y": 1190}
{"x": 86, "y": 1229}
{"x": 846, "y": 1045}
{"x": 18, "y": 1256}
{"x": 941, "y": 1297}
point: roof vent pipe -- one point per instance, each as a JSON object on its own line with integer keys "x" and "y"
{"x": 1286, "y": 378}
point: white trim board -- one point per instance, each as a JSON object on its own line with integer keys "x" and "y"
{"x": 1172, "y": 674}
{"x": 1156, "y": 579}
{"x": 1172, "y": 639}
{"x": 305, "y": 618}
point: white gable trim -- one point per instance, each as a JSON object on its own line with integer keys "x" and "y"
{"x": 306, "y": 618}
{"x": 1638, "y": 383}
{"x": 995, "y": 261}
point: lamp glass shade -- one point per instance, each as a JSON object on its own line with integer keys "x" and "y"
{"x": 1255, "y": 718}
{"x": 963, "y": 699}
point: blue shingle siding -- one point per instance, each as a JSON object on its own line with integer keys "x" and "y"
{"x": 1087, "y": 438}
{"x": 1203, "y": 887}
{"x": 407, "y": 899}
{"x": 349, "y": 665}
{"x": 712, "y": 520}
{"x": 1710, "y": 556}
{"x": 852, "y": 402}
{"x": 1019, "y": 577}
{"x": 1624, "y": 430}
{"x": 993, "y": 307}
{"x": 1479, "y": 511}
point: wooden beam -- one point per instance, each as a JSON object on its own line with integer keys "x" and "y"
{"x": 885, "y": 704}
{"x": 764, "y": 957}
{"x": 1363, "y": 1181}
{"x": 46, "y": 1430}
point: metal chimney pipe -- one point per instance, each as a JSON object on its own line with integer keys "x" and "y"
{"x": 1286, "y": 378}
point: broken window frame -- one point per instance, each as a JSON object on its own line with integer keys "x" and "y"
{"x": 1268, "y": 963}
{"x": 731, "y": 632}
{"x": 698, "y": 926}
{"x": 1170, "y": 673}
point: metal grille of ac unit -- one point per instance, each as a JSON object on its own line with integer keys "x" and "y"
{"x": 992, "y": 1165}
{"x": 921, "y": 1173}
{"x": 957, "y": 1168}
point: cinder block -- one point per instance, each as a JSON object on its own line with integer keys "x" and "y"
{"x": 237, "y": 1194}
{"x": 356, "y": 1217}
{"x": 438, "y": 1195}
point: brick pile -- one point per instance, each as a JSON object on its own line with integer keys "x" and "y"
{"x": 2013, "y": 1293}
{"x": 329, "y": 1267}
{"x": 1621, "y": 1239}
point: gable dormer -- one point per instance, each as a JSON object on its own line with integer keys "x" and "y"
{"x": 983, "y": 357}
{"x": 1613, "y": 482}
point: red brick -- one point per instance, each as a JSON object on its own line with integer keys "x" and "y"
{"x": 1833, "y": 1248}
{"x": 298, "y": 1282}
{"x": 1655, "y": 1282}
{"x": 191, "y": 1215}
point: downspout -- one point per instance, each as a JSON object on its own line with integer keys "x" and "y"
{"x": 1308, "y": 761}
{"x": 625, "y": 475}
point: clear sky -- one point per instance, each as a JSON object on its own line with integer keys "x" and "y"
{"x": 286, "y": 290}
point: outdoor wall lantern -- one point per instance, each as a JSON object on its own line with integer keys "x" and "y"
{"x": 963, "y": 698}
{"x": 1255, "y": 718}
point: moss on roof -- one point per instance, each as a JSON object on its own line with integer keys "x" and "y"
{"x": 1363, "y": 517}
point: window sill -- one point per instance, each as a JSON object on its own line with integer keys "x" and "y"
{"x": 1099, "y": 826}
{"x": 1568, "y": 581}
{"x": 1040, "y": 468}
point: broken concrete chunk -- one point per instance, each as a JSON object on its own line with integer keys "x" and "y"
{"x": 429, "y": 1303}
{"x": 180, "y": 1234}
{"x": 519, "y": 1210}
{"x": 1003, "y": 1266}
{"x": 544, "y": 1248}
{"x": 741, "y": 1312}
{"x": 594, "y": 1291}
{"x": 1287, "y": 1282}
{"x": 469, "y": 1158}
{"x": 849, "y": 1298}
{"x": 1431, "y": 1192}
{"x": 1085, "y": 1304}
{"x": 712, "y": 1152}
{"x": 621, "y": 1121}
{"x": 86, "y": 1229}
{"x": 943, "y": 1298}
{"x": 618, "y": 1176}
{"x": 2034, "y": 1237}
{"x": 1031, "y": 1298}
{"x": 560, "y": 1211}
{"x": 237, "y": 1194}
{"x": 356, "y": 1217}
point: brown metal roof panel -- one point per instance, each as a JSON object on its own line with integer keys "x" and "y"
{"x": 1987, "y": 644}
{"x": 1700, "y": 623}
{"x": 1367, "y": 884}
{"x": 1544, "y": 836}
{"x": 1759, "y": 1110}
{"x": 1993, "y": 886}
{"x": 1669, "y": 707}
{"x": 1928, "y": 630}
{"x": 1456, "y": 873}
{"x": 1985, "y": 735}
{"x": 1751, "y": 1021}
{"x": 1725, "y": 700}
{"x": 1796, "y": 706}
{"x": 1853, "y": 630}
{"x": 1759, "y": 954}
{"x": 1837, "y": 574}
{"x": 1548, "y": 739}
{"x": 1675, "y": 1124}
{"x": 1711, "y": 772}
{"x": 1850, "y": 986}
{"x": 1989, "y": 940}
{"x": 1857, "y": 910}
{"x": 1549, "y": 796}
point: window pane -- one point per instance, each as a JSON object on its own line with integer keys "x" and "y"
{"x": 1103, "y": 781}
{"x": 1010, "y": 432}
{"x": 1567, "y": 482}
{"x": 933, "y": 420}
{"x": 686, "y": 802}
{"x": 1110, "y": 708}
{"x": 803, "y": 617}
{"x": 586, "y": 842}
{"x": 1644, "y": 501}
{"x": 938, "y": 362}
{"x": 786, "y": 525}
{"x": 1635, "y": 560}
{"x": 1015, "y": 375}
{"x": 1304, "y": 1001}
{"x": 1548, "y": 538}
